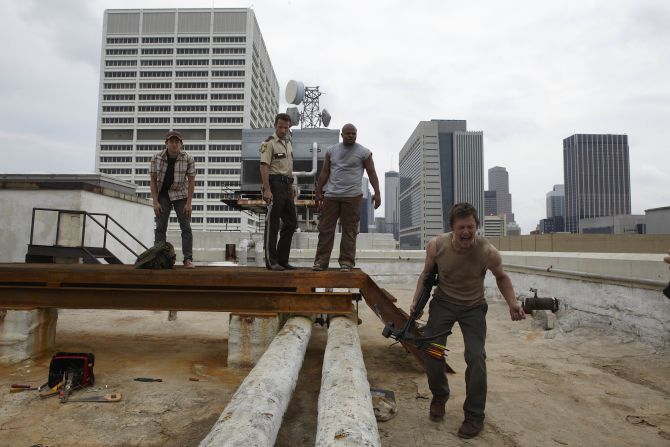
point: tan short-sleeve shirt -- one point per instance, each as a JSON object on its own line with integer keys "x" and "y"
{"x": 278, "y": 154}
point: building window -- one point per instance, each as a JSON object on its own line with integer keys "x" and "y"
{"x": 151, "y": 85}
{"x": 223, "y": 220}
{"x": 229, "y": 50}
{"x": 190, "y": 97}
{"x": 226, "y": 108}
{"x": 202, "y": 108}
{"x": 228, "y": 62}
{"x": 190, "y": 119}
{"x": 118, "y": 109}
{"x": 222, "y": 183}
{"x": 190, "y": 85}
{"x": 142, "y": 159}
{"x": 227, "y": 84}
{"x": 192, "y": 74}
{"x": 120, "y": 74}
{"x": 121, "y": 40}
{"x": 230, "y": 39}
{"x": 225, "y": 147}
{"x": 200, "y": 171}
{"x": 156, "y": 50}
{"x": 153, "y": 109}
{"x": 118, "y": 85}
{"x": 227, "y": 73}
{"x": 226, "y": 120}
{"x": 224, "y": 159}
{"x": 194, "y": 147}
{"x": 118, "y": 120}
{"x": 227, "y": 96}
{"x": 158, "y": 40}
{"x": 116, "y": 159}
{"x": 153, "y": 120}
{"x": 199, "y": 160}
{"x": 141, "y": 171}
{"x": 155, "y": 97}
{"x": 193, "y": 40}
{"x": 142, "y": 182}
{"x": 116, "y": 147}
{"x": 156, "y": 62}
{"x": 120, "y": 51}
{"x": 120, "y": 63}
{"x": 150, "y": 147}
{"x": 115, "y": 171}
{"x": 223, "y": 171}
{"x": 192, "y": 62}
{"x": 155, "y": 74}
{"x": 192, "y": 50}
{"x": 118, "y": 97}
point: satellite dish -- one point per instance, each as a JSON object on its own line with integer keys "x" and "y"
{"x": 295, "y": 92}
{"x": 294, "y": 114}
{"x": 325, "y": 117}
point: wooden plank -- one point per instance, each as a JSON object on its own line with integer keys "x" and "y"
{"x": 231, "y": 277}
{"x": 167, "y": 299}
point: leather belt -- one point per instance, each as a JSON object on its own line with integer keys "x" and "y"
{"x": 281, "y": 178}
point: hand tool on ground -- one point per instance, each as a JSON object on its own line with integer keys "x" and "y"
{"x": 68, "y": 379}
{"x": 146, "y": 379}
{"x": 52, "y": 392}
{"x": 21, "y": 388}
{"x": 116, "y": 397}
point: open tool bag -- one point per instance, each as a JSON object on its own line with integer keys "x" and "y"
{"x": 80, "y": 364}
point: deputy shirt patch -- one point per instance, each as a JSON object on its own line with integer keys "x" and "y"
{"x": 263, "y": 148}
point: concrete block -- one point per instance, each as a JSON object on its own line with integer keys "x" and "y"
{"x": 249, "y": 336}
{"x": 25, "y": 333}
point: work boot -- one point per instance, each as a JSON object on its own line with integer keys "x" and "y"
{"x": 288, "y": 266}
{"x": 188, "y": 264}
{"x": 437, "y": 408}
{"x": 276, "y": 267}
{"x": 318, "y": 268}
{"x": 470, "y": 428}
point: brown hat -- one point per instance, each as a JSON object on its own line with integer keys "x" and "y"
{"x": 173, "y": 133}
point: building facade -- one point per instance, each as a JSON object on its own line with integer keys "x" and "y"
{"x": 442, "y": 163}
{"x": 556, "y": 201}
{"x": 204, "y": 72}
{"x": 494, "y": 225}
{"x": 490, "y": 203}
{"x": 391, "y": 185}
{"x": 658, "y": 220}
{"x": 596, "y": 176}
{"x": 499, "y": 182}
{"x": 625, "y": 224}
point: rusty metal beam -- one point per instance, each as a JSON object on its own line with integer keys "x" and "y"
{"x": 12, "y": 297}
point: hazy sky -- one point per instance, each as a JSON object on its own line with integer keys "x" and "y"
{"x": 526, "y": 73}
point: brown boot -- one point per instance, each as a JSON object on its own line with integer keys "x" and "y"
{"x": 470, "y": 428}
{"x": 437, "y": 408}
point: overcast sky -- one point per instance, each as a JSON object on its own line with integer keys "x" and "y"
{"x": 526, "y": 73}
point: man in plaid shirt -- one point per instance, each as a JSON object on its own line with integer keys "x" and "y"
{"x": 172, "y": 174}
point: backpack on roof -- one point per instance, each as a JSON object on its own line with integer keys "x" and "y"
{"x": 160, "y": 256}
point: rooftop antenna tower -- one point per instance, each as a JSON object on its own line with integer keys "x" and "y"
{"x": 311, "y": 116}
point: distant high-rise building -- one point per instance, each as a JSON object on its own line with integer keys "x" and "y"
{"x": 391, "y": 184}
{"x": 440, "y": 164}
{"x": 494, "y": 225}
{"x": 490, "y": 203}
{"x": 204, "y": 72}
{"x": 556, "y": 201}
{"x": 367, "y": 210}
{"x": 596, "y": 177}
{"x": 555, "y": 224}
{"x": 499, "y": 182}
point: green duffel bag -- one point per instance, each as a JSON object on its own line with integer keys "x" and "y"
{"x": 160, "y": 256}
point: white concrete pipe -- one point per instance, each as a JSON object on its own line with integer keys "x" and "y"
{"x": 254, "y": 414}
{"x": 346, "y": 416}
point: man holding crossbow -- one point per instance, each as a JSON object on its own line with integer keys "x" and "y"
{"x": 462, "y": 258}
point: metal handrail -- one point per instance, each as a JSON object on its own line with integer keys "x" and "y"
{"x": 83, "y": 230}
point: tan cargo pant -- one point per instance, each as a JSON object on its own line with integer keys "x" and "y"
{"x": 348, "y": 211}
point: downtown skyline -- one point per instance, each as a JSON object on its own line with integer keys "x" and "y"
{"x": 588, "y": 68}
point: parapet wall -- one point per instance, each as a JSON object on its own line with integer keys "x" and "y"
{"x": 581, "y": 243}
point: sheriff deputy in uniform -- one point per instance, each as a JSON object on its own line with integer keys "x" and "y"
{"x": 278, "y": 193}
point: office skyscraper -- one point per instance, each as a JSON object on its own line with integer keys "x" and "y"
{"x": 204, "y": 72}
{"x": 597, "y": 177}
{"x": 440, "y": 164}
{"x": 391, "y": 184}
{"x": 499, "y": 182}
{"x": 556, "y": 201}
{"x": 490, "y": 203}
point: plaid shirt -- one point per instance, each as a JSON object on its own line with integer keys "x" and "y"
{"x": 184, "y": 167}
